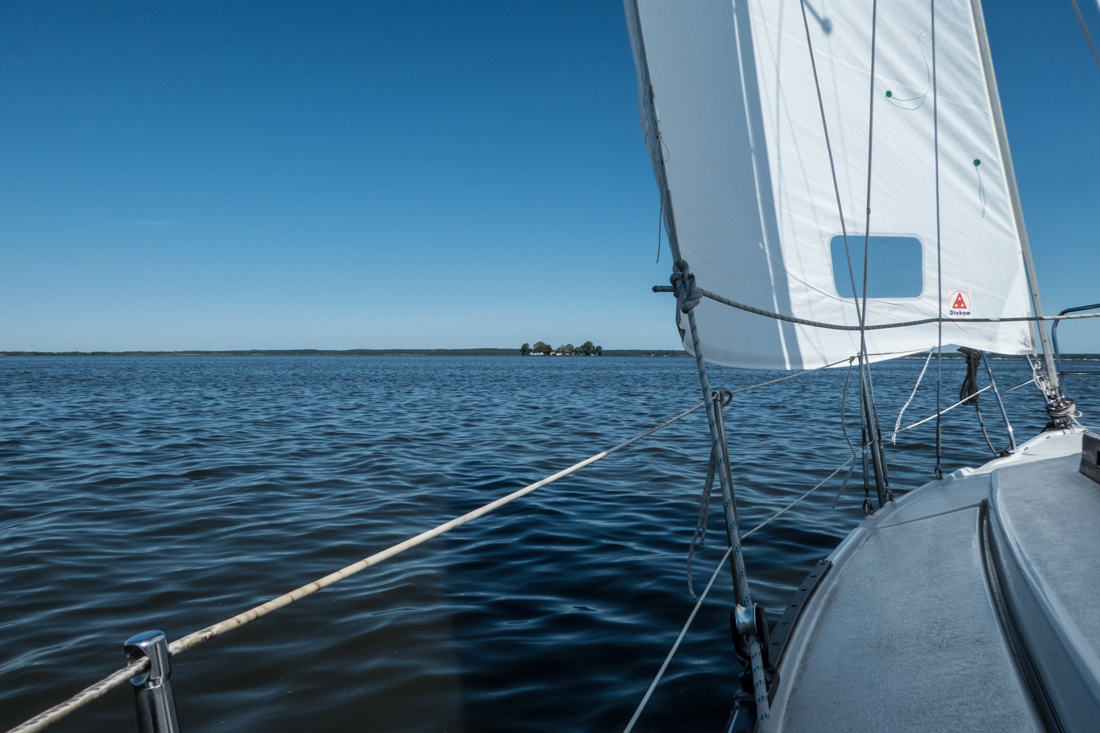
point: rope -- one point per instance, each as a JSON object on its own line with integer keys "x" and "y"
{"x": 700, "y": 533}
{"x": 660, "y": 222}
{"x": 704, "y": 509}
{"x": 743, "y": 593}
{"x": 82, "y": 698}
{"x": 867, "y": 225}
{"x": 844, "y": 430}
{"x": 894, "y": 438}
{"x": 676, "y": 645}
{"x": 952, "y": 407}
{"x": 843, "y": 405}
{"x": 1085, "y": 28}
{"x": 1000, "y": 403}
{"x": 945, "y": 410}
{"x": 119, "y": 677}
{"x": 1041, "y": 380}
{"x": 968, "y": 392}
{"x": 928, "y": 76}
{"x": 981, "y": 188}
{"x": 683, "y": 283}
{"x": 861, "y": 313}
{"x": 703, "y": 597}
{"x": 832, "y": 163}
{"x": 871, "y": 436}
{"x": 938, "y": 471}
{"x": 767, "y": 521}
{"x": 1018, "y": 386}
{"x": 696, "y": 290}
{"x": 722, "y": 561}
{"x": 251, "y": 615}
{"x": 789, "y": 376}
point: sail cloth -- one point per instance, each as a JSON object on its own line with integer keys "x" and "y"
{"x": 731, "y": 119}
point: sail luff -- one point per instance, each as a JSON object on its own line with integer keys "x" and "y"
{"x": 1013, "y": 191}
{"x": 650, "y": 126}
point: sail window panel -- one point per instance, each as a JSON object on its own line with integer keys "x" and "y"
{"x": 894, "y": 266}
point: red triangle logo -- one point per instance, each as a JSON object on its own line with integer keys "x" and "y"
{"x": 960, "y": 302}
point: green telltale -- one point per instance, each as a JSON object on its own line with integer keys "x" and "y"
{"x": 889, "y": 93}
{"x": 977, "y": 162}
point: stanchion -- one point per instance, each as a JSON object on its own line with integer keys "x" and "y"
{"x": 156, "y": 708}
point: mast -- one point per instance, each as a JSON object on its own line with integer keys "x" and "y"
{"x": 1014, "y": 195}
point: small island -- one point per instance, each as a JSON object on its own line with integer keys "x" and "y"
{"x": 541, "y": 348}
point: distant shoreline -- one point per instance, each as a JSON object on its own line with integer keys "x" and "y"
{"x": 422, "y": 352}
{"x": 347, "y": 352}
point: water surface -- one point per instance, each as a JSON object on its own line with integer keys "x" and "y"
{"x": 173, "y": 492}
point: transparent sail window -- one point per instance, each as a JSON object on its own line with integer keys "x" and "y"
{"x": 893, "y": 266}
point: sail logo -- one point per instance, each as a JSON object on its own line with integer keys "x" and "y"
{"x": 959, "y": 303}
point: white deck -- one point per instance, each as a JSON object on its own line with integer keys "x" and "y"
{"x": 905, "y": 632}
{"x": 1047, "y": 526}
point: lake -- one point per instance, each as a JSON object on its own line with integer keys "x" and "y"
{"x": 171, "y": 492}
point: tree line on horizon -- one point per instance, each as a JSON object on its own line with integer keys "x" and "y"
{"x": 541, "y": 347}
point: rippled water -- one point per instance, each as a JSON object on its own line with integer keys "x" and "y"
{"x": 173, "y": 492}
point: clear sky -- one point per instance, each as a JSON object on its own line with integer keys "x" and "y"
{"x": 269, "y": 175}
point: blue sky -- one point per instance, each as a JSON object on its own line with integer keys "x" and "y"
{"x": 251, "y": 175}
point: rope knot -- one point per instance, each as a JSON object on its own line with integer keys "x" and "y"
{"x": 683, "y": 281}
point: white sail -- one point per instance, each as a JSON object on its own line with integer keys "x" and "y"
{"x": 734, "y": 128}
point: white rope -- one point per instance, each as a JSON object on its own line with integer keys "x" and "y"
{"x": 948, "y": 409}
{"x": 894, "y": 437}
{"x": 1018, "y": 386}
{"x": 703, "y": 596}
{"x": 676, "y": 645}
{"x": 784, "y": 509}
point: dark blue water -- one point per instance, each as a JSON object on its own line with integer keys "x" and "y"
{"x": 173, "y": 492}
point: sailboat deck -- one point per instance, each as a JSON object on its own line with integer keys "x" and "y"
{"x": 908, "y": 639}
{"x": 970, "y": 606}
{"x": 1046, "y": 518}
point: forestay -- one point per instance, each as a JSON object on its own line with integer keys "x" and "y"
{"x": 734, "y": 130}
